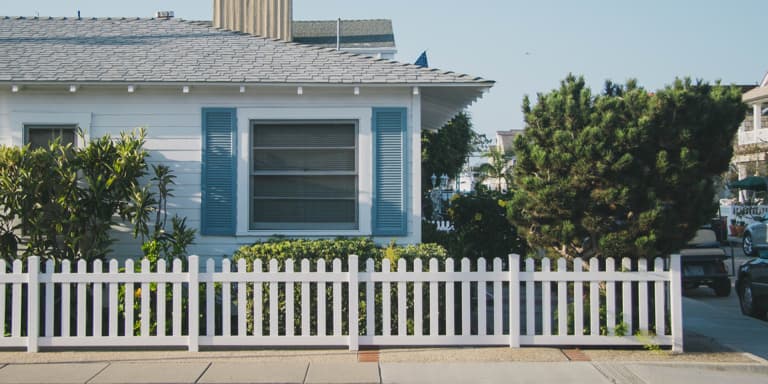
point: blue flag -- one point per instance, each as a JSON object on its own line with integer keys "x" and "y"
{"x": 422, "y": 60}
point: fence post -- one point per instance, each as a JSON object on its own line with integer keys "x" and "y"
{"x": 354, "y": 301}
{"x": 194, "y": 303}
{"x": 33, "y": 303}
{"x": 514, "y": 301}
{"x": 676, "y": 304}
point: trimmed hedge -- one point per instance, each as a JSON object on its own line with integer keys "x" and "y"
{"x": 313, "y": 250}
{"x": 328, "y": 250}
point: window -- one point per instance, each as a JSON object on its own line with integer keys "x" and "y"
{"x": 38, "y": 136}
{"x": 304, "y": 175}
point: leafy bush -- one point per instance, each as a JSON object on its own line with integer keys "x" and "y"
{"x": 481, "y": 228}
{"x": 328, "y": 250}
{"x": 60, "y": 202}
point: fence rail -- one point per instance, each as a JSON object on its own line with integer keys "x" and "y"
{"x": 406, "y": 304}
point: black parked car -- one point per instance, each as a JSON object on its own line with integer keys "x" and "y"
{"x": 752, "y": 286}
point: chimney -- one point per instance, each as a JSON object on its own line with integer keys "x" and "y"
{"x": 267, "y": 18}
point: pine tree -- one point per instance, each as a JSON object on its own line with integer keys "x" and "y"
{"x": 623, "y": 173}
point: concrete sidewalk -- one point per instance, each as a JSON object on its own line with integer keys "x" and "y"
{"x": 306, "y": 372}
{"x": 439, "y": 365}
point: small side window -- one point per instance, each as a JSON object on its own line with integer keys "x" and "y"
{"x": 39, "y": 136}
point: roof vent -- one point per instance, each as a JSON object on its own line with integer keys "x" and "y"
{"x": 164, "y": 15}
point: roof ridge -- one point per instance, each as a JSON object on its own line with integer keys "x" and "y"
{"x": 332, "y": 20}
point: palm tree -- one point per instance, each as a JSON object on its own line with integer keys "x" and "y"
{"x": 497, "y": 167}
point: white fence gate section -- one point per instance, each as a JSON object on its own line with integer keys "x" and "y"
{"x": 314, "y": 305}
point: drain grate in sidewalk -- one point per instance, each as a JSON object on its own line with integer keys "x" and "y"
{"x": 575, "y": 355}
{"x": 368, "y": 356}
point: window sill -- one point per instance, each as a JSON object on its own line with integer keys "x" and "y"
{"x": 302, "y": 233}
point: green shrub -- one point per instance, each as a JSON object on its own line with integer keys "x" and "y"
{"x": 328, "y": 250}
{"x": 481, "y": 228}
{"x": 60, "y": 202}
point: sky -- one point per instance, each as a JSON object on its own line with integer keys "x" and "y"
{"x": 527, "y": 47}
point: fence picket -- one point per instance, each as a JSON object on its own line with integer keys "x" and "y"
{"x": 242, "y": 288}
{"x": 530, "y": 303}
{"x": 33, "y": 303}
{"x": 162, "y": 270}
{"x": 418, "y": 298}
{"x": 482, "y": 317}
{"x": 546, "y": 300}
{"x": 210, "y": 300}
{"x": 273, "y": 295}
{"x": 322, "y": 294}
{"x": 626, "y": 297}
{"x": 65, "y": 300}
{"x": 258, "y": 299}
{"x": 226, "y": 299}
{"x": 370, "y": 301}
{"x": 658, "y": 290}
{"x": 498, "y": 327}
{"x": 97, "y": 300}
{"x": 289, "y": 300}
{"x": 354, "y": 302}
{"x": 113, "y": 300}
{"x": 386, "y": 300}
{"x": 129, "y": 295}
{"x": 16, "y": 301}
{"x": 434, "y": 296}
{"x": 594, "y": 300}
{"x": 514, "y": 300}
{"x": 145, "y": 304}
{"x": 402, "y": 309}
{"x": 450, "y": 302}
{"x": 82, "y": 268}
{"x": 337, "y": 300}
{"x": 578, "y": 299}
{"x": 562, "y": 300}
{"x": 49, "y": 302}
{"x": 305, "y": 300}
{"x": 642, "y": 298}
{"x": 176, "y": 309}
{"x": 610, "y": 298}
{"x": 194, "y": 303}
{"x": 466, "y": 304}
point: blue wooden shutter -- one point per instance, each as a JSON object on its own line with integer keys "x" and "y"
{"x": 389, "y": 172}
{"x": 219, "y": 172}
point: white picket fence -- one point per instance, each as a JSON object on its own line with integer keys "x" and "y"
{"x": 320, "y": 306}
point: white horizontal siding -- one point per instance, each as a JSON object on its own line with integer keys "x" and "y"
{"x": 173, "y": 124}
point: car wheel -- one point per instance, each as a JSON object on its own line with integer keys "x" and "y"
{"x": 722, "y": 288}
{"x": 747, "y": 245}
{"x": 749, "y": 304}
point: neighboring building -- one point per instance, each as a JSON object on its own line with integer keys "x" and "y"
{"x": 752, "y": 139}
{"x": 274, "y": 18}
{"x": 505, "y": 139}
{"x": 266, "y": 137}
{"x": 366, "y": 37}
{"x": 504, "y": 143}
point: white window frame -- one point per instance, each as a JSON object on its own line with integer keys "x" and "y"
{"x": 356, "y": 172}
{"x": 363, "y": 118}
{"x": 21, "y": 120}
{"x": 61, "y": 127}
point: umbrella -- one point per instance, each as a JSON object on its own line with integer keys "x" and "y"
{"x": 752, "y": 183}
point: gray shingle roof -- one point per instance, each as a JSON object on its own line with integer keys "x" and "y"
{"x": 153, "y": 50}
{"x": 354, "y": 33}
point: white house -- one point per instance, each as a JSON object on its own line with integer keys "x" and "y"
{"x": 266, "y": 137}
